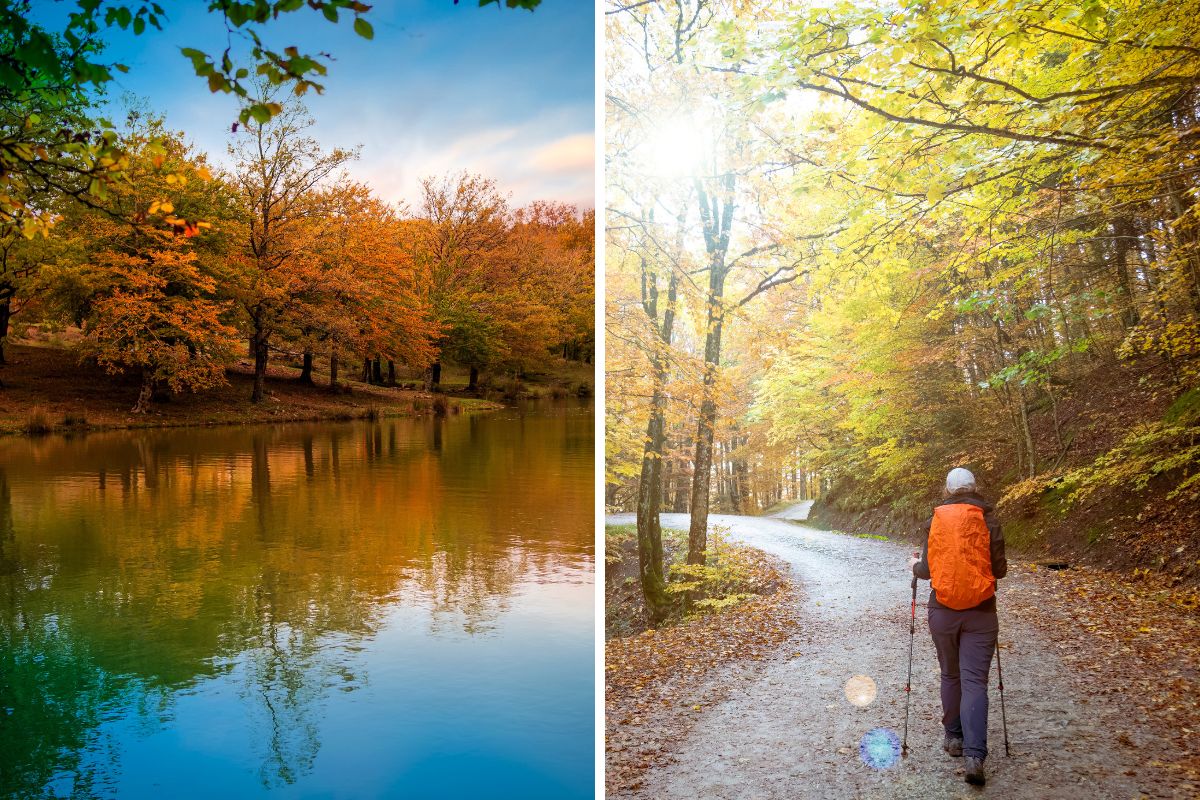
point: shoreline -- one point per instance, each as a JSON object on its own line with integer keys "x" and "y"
{"x": 48, "y": 392}
{"x": 480, "y": 406}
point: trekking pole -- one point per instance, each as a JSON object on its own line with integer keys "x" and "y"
{"x": 912, "y": 632}
{"x": 1003, "y": 717}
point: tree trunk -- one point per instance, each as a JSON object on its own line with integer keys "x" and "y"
{"x": 706, "y": 425}
{"x": 260, "y": 366}
{"x": 145, "y": 394}
{"x": 333, "y": 370}
{"x": 366, "y": 370}
{"x": 649, "y": 505}
{"x": 391, "y": 372}
{"x": 5, "y": 317}
{"x": 473, "y": 383}
{"x": 1023, "y": 407}
{"x": 307, "y": 368}
{"x": 433, "y": 377}
{"x": 742, "y": 498}
{"x": 1123, "y": 241}
{"x": 650, "y": 482}
{"x": 377, "y": 371}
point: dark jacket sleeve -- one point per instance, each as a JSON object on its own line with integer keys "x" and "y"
{"x": 921, "y": 568}
{"x": 999, "y": 562}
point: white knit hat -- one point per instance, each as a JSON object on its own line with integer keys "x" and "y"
{"x": 960, "y": 480}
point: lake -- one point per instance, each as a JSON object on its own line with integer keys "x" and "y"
{"x": 401, "y": 608}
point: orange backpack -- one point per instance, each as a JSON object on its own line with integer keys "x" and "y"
{"x": 960, "y": 556}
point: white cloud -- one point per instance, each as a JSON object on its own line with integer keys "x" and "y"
{"x": 527, "y": 160}
{"x": 570, "y": 154}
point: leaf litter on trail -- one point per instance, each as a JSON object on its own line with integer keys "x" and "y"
{"x": 1136, "y": 641}
{"x": 659, "y": 682}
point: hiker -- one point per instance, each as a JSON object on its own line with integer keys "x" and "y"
{"x": 962, "y": 557}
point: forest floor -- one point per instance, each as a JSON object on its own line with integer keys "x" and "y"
{"x": 659, "y": 681}
{"x": 48, "y": 385}
{"x": 1101, "y": 686}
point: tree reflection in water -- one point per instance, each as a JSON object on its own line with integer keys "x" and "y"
{"x": 269, "y": 555}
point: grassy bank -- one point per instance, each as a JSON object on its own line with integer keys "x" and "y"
{"x": 553, "y": 377}
{"x": 46, "y": 389}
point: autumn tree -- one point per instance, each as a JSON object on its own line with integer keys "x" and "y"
{"x": 138, "y": 278}
{"x": 542, "y": 289}
{"x": 695, "y": 145}
{"x": 280, "y": 174}
{"x": 365, "y": 298}
{"x": 462, "y": 237}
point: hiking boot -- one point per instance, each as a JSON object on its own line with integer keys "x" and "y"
{"x": 953, "y": 745}
{"x": 975, "y": 775}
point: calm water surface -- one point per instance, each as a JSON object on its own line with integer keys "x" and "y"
{"x": 358, "y": 610}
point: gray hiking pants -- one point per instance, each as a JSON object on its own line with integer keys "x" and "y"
{"x": 965, "y": 641}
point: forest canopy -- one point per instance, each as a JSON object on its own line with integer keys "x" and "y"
{"x": 860, "y": 244}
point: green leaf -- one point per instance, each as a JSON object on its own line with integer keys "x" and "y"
{"x": 260, "y": 112}
{"x": 363, "y": 28}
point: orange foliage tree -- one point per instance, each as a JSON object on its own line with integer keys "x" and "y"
{"x": 281, "y": 175}
{"x": 156, "y": 314}
{"x": 138, "y": 279}
{"x": 504, "y": 286}
{"x": 366, "y": 299}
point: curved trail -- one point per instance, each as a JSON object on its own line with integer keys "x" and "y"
{"x": 789, "y": 731}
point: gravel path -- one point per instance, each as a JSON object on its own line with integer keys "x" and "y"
{"x": 789, "y": 731}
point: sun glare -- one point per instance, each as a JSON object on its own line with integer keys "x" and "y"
{"x": 675, "y": 149}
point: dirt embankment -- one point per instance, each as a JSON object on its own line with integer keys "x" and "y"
{"x": 878, "y": 521}
{"x": 1122, "y": 534}
{"x": 1131, "y": 522}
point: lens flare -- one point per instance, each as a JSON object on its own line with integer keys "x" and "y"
{"x": 879, "y": 748}
{"x": 860, "y": 691}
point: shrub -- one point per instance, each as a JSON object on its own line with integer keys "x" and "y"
{"x": 1147, "y": 451}
{"x": 75, "y": 419}
{"x": 37, "y": 421}
{"x": 509, "y": 388}
{"x": 615, "y": 537}
{"x": 441, "y": 405}
{"x": 732, "y": 574}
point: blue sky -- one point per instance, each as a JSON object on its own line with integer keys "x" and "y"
{"x": 441, "y": 88}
